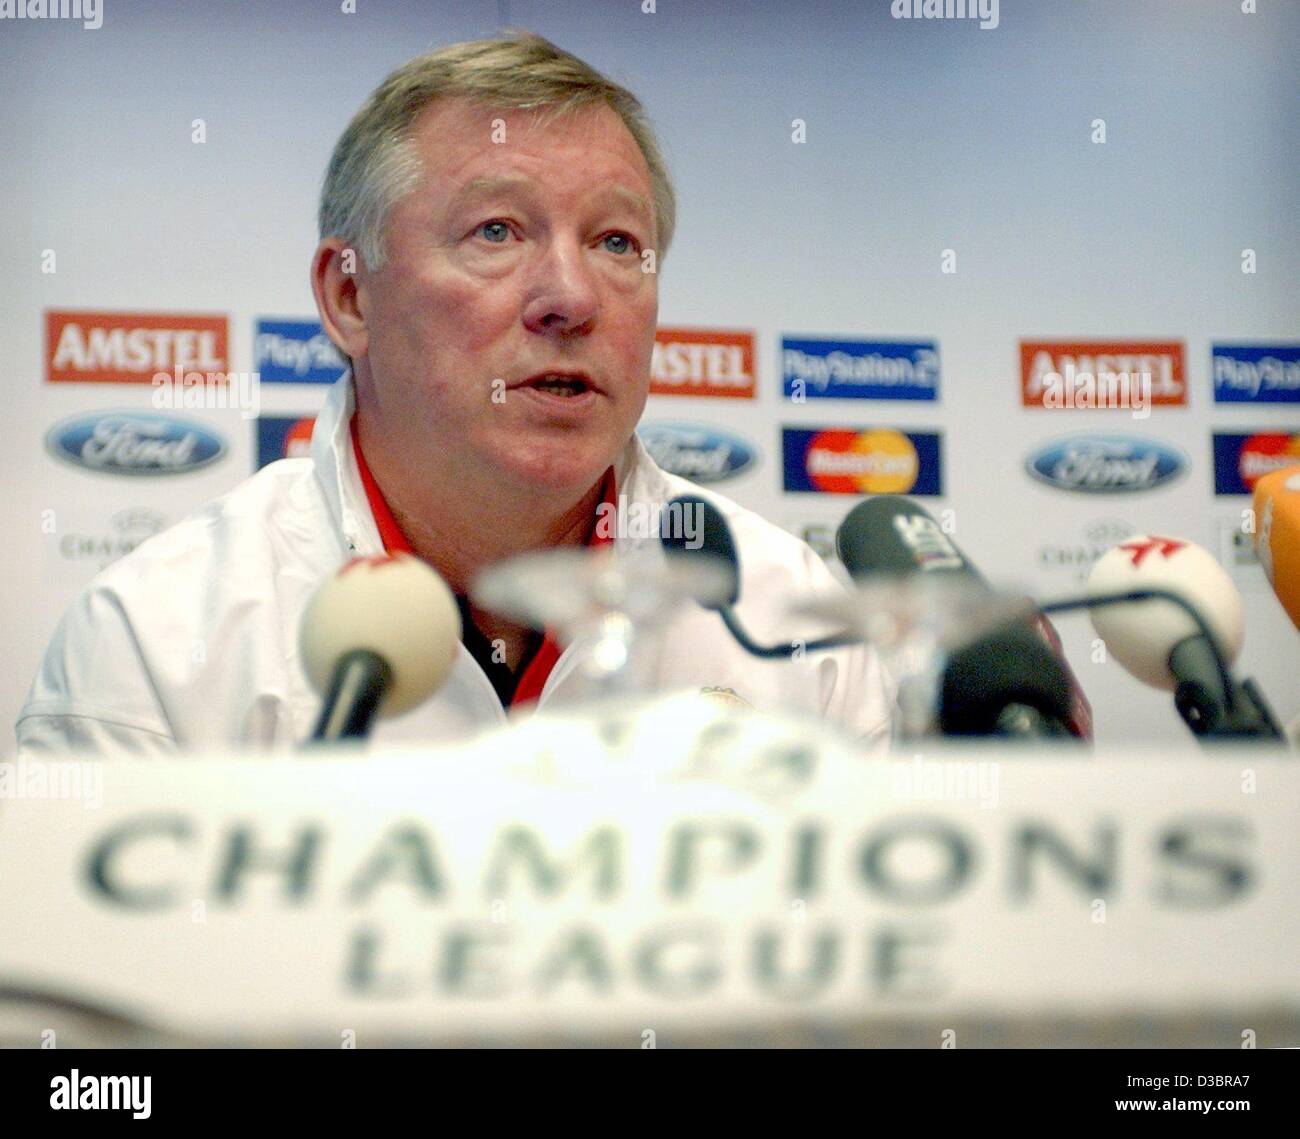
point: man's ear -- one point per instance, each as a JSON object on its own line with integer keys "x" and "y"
{"x": 334, "y": 273}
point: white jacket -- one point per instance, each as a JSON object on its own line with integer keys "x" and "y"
{"x": 191, "y": 641}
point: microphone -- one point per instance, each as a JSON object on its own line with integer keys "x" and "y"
{"x": 718, "y": 546}
{"x": 1277, "y": 535}
{"x": 376, "y": 640}
{"x": 1007, "y": 683}
{"x": 1180, "y": 630}
{"x": 890, "y": 534}
{"x": 1012, "y": 681}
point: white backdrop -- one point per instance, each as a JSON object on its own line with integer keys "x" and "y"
{"x": 826, "y": 155}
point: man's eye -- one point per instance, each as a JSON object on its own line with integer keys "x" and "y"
{"x": 625, "y": 242}
{"x": 489, "y": 228}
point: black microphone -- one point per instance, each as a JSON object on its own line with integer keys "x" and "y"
{"x": 1008, "y": 682}
{"x": 717, "y": 546}
{"x": 892, "y": 535}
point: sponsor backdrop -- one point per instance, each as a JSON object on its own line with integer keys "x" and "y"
{"x": 1018, "y": 271}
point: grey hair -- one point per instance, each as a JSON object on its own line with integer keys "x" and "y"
{"x": 375, "y": 162}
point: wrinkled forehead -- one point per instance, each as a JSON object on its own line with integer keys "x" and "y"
{"x": 470, "y": 147}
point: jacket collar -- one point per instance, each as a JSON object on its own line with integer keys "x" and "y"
{"x": 638, "y": 477}
{"x": 337, "y": 473}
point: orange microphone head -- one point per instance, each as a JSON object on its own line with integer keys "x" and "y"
{"x": 1277, "y": 535}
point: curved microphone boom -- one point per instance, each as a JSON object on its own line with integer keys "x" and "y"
{"x": 377, "y": 639}
{"x": 718, "y": 546}
{"x": 1170, "y": 614}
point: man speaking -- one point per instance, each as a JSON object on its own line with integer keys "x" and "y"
{"x": 491, "y": 226}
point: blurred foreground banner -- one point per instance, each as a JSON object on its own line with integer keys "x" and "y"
{"x": 678, "y": 869}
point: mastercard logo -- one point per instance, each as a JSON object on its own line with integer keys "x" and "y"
{"x": 1263, "y": 454}
{"x": 297, "y": 440}
{"x": 862, "y": 462}
{"x": 283, "y": 437}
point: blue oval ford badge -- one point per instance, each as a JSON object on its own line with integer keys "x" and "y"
{"x": 695, "y": 451}
{"x": 134, "y": 443}
{"x": 1105, "y": 464}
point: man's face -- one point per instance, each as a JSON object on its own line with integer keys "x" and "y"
{"x": 509, "y": 260}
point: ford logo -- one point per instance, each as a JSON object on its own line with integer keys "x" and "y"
{"x": 1105, "y": 464}
{"x": 134, "y": 443}
{"x": 696, "y": 452}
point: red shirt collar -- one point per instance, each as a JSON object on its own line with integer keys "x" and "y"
{"x": 395, "y": 542}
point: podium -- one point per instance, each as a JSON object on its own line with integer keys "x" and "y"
{"x": 675, "y": 872}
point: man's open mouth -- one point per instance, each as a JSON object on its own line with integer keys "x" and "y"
{"x": 561, "y": 384}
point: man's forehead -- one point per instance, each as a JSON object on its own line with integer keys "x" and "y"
{"x": 460, "y": 135}
{"x": 455, "y": 128}
{"x": 492, "y": 185}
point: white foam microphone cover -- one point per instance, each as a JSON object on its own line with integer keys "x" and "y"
{"x": 397, "y": 607}
{"x": 1140, "y": 635}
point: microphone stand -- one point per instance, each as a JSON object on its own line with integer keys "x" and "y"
{"x": 1211, "y": 703}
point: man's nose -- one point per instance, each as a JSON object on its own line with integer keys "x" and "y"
{"x": 562, "y": 296}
